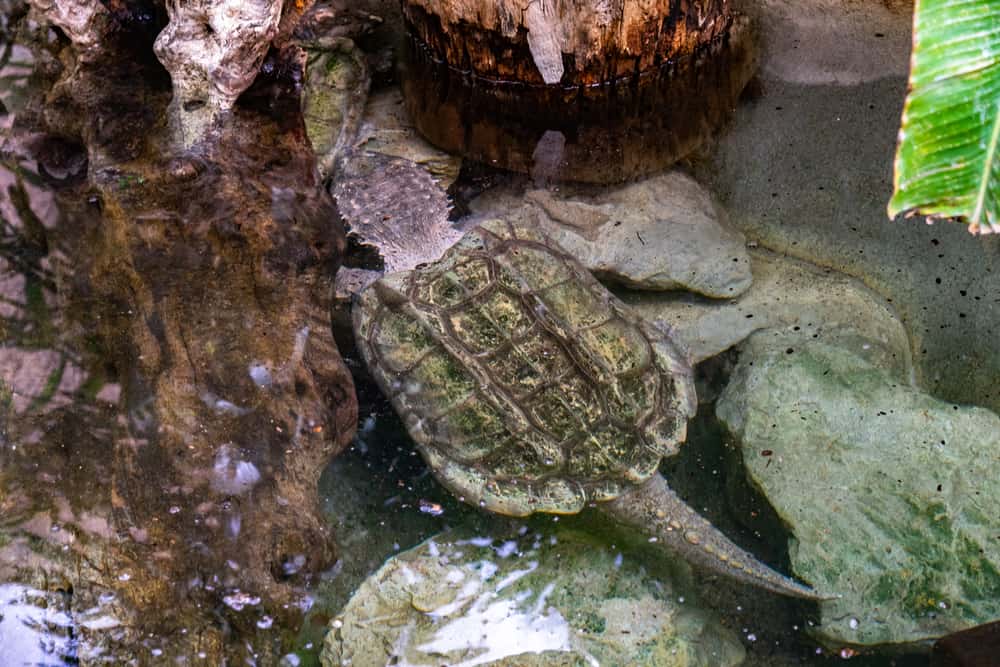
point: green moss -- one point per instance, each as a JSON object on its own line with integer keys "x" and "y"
{"x": 591, "y": 623}
{"x": 127, "y": 181}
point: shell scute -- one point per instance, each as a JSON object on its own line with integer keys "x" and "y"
{"x": 475, "y": 329}
{"x": 401, "y": 341}
{"x": 554, "y": 416}
{"x": 535, "y": 266}
{"x": 620, "y": 347}
{"x": 506, "y": 313}
{"x": 472, "y": 420}
{"x": 576, "y": 305}
{"x": 545, "y": 354}
{"x": 536, "y": 389}
{"x": 631, "y": 399}
{"x": 438, "y": 383}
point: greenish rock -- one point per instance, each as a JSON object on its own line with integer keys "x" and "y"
{"x": 554, "y": 599}
{"x": 788, "y": 296}
{"x": 333, "y": 99}
{"x": 892, "y": 496}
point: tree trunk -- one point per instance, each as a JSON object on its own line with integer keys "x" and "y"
{"x": 572, "y": 42}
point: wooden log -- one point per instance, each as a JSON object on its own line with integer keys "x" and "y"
{"x": 608, "y": 133}
{"x": 572, "y": 42}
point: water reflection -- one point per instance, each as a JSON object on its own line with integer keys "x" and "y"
{"x": 600, "y": 134}
{"x": 175, "y": 388}
{"x": 34, "y": 629}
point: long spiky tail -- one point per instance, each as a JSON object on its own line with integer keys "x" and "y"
{"x": 656, "y": 510}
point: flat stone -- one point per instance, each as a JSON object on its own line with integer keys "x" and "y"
{"x": 553, "y": 599}
{"x": 663, "y": 233}
{"x": 891, "y": 495}
{"x": 790, "y": 296}
{"x": 386, "y": 129}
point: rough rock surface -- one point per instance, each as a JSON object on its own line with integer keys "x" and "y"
{"x": 787, "y": 295}
{"x": 892, "y": 496}
{"x": 660, "y": 234}
{"x": 213, "y": 51}
{"x": 83, "y": 21}
{"x": 536, "y": 599}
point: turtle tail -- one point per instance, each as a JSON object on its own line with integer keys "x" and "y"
{"x": 656, "y": 510}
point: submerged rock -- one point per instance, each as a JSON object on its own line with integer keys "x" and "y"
{"x": 205, "y": 282}
{"x": 558, "y": 598}
{"x": 660, "y": 234}
{"x": 333, "y": 98}
{"x": 387, "y": 129}
{"x": 213, "y": 51}
{"x": 892, "y": 496}
{"x": 791, "y": 296}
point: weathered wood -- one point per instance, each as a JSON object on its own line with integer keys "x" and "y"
{"x": 573, "y": 42}
{"x": 595, "y": 134}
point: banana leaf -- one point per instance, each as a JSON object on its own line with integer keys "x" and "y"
{"x": 948, "y": 156}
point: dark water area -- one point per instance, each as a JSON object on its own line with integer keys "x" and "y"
{"x": 196, "y": 467}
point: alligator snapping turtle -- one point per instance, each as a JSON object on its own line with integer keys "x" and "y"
{"x": 528, "y": 387}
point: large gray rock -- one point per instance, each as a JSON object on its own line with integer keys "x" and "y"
{"x": 891, "y": 496}
{"x": 554, "y": 599}
{"x": 787, "y": 296}
{"x": 663, "y": 233}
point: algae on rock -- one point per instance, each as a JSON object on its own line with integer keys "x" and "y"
{"x": 892, "y": 495}
{"x": 559, "y": 598}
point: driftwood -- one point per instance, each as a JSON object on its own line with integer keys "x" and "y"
{"x": 573, "y": 42}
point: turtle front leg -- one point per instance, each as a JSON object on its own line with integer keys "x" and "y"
{"x": 655, "y": 509}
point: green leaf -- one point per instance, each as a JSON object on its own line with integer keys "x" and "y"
{"x": 948, "y": 158}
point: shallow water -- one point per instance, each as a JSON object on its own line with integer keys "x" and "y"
{"x": 180, "y": 481}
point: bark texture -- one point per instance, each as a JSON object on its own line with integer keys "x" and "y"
{"x": 573, "y": 42}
